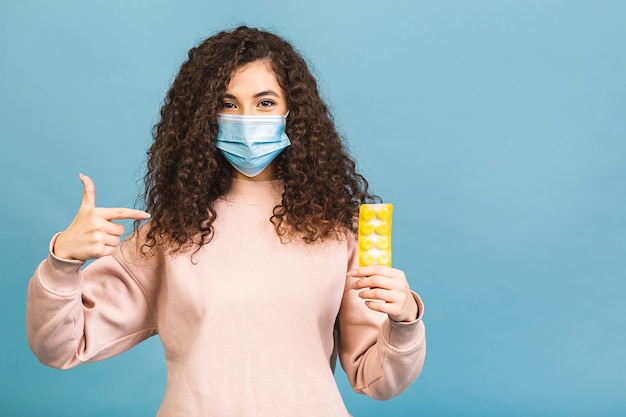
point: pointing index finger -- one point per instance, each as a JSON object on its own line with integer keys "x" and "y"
{"x": 122, "y": 213}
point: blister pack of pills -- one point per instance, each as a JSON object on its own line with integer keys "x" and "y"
{"x": 375, "y": 234}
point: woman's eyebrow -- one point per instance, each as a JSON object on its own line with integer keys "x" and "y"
{"x": 257, "y": 95}
{"x": 266, "y": 93}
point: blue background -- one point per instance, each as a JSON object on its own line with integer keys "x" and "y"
{"x": 498, "y": 130}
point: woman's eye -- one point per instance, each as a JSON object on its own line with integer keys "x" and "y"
{"x": 266, "y": 103}
{"x": 228, "y": 105}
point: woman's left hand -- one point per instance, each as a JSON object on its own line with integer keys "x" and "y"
{"x": 386, "y": 290}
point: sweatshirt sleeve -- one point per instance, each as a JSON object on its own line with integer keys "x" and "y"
{"x": 381, "y": 357}
{"x": 76, "y": 315}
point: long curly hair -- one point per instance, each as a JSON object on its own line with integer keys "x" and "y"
{"x": 186, "y": 173}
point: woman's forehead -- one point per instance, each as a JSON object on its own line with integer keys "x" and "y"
{"x": 253, "y": 77}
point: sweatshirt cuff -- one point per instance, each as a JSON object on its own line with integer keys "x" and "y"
{"x": 406, "y": 335}
{"x": 60, "y": 275}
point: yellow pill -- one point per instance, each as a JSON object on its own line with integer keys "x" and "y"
{"x": 382, "y": 228}
{"x": 367, "y": 259}
{"x": 367, "y": 244}
{"x": 384, "y": 213}
{"x": 384, "y": 259}
{"x": 368, "y": 213}
{"x": 367, "y": 228}
{"x": 382, "y": 243}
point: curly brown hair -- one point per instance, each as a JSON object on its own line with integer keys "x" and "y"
{"x": 186, "y": 173}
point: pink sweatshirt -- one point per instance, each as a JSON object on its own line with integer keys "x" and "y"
{"x": 250, "y": 329}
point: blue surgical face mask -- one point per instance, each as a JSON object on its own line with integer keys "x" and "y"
{"x": 250, "y": 143}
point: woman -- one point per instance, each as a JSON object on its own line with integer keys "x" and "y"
{"x": 248, "y": 267}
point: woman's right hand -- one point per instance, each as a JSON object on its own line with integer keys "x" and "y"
{"x": 93, "y": 234}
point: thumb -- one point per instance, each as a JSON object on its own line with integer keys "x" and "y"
{"x": 89, "y": 194}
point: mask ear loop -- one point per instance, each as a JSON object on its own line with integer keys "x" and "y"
{"x": 286, "y": 114}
